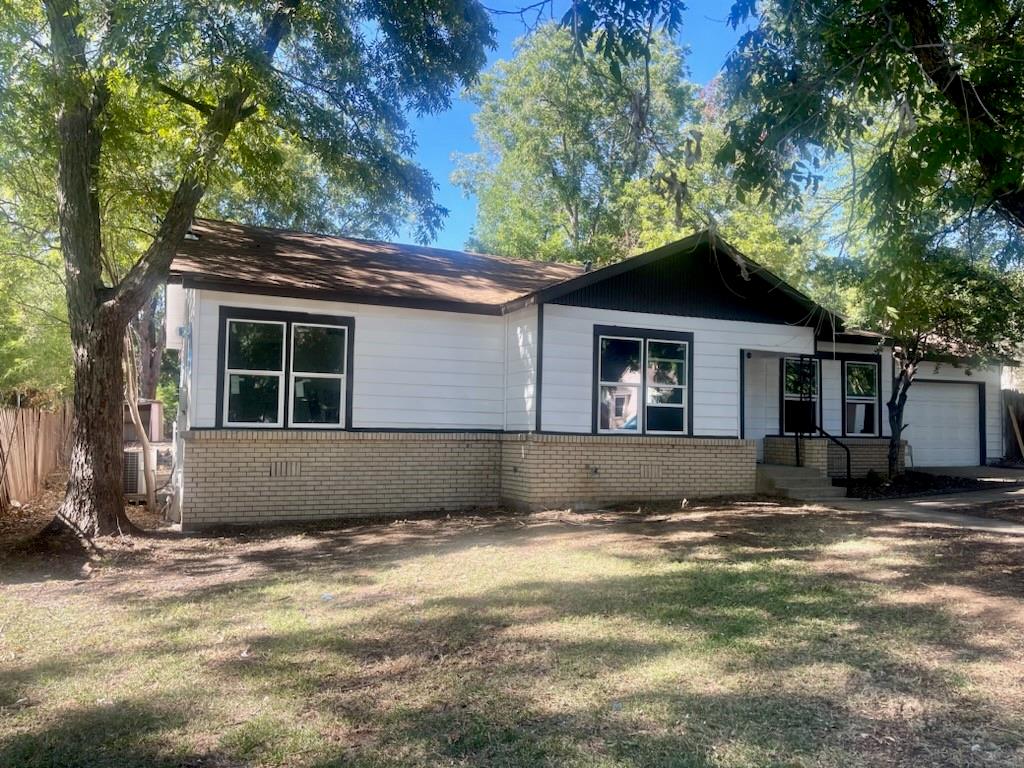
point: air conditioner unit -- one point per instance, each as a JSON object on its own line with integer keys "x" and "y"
{"x": 133, "y": 470}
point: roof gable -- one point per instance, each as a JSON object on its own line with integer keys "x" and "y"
{"x": 699, "y": 276}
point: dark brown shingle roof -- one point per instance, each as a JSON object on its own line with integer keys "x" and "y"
{"x": 284, "y": 262}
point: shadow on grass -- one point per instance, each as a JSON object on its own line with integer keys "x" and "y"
{"x": 557, "y": 671}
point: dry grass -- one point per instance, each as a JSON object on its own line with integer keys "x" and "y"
{"x": 728, "y": 635}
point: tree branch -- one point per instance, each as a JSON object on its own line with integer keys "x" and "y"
{"x": 151, "y": 269}
{"x": 174, "y": 93}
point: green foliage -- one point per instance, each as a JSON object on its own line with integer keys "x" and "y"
{"x": 580, "y": 162}
{"x": 562, "y": 137}
{"x": 932, "y": 91}
{"x": 933, "y": 300}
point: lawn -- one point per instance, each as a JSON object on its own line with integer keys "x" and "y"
{"x": 747, "y": 634}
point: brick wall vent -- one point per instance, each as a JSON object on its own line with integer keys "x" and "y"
{"x": 285, "y": 469}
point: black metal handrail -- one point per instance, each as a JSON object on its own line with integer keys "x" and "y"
{"x": 845, "y": 447}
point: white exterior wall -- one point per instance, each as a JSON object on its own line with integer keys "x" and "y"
{"x": 413, "y": 369}
{"x": 567, "y": 396}
{"x": 521, "y": 370}
{"x": 831, "y": 395}
{"x": 174, "y": 315}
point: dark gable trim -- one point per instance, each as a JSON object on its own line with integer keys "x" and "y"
{"x": 810, "y": 314}
{"x": 612, "y": 270}
{"x": 437, "y": 305}
{"x": 645, "y": 334}
{"x": 288, "y": 318}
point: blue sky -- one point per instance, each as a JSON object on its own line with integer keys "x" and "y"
{"x": 704, "y": 31}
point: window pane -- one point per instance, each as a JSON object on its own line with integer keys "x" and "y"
{"x": 666, "y": 372}
{"x": 255, "y": 346}
{"x": 318, "y": 350}
{"x": 656, "y": 395}
{"x": 860, "y": 418}
{"x": 666, "y": 419}
{"x": 860, "y": 380}
{"x": 799, "y": 416}
{"x": 666, "y": 350}
{"x": 801, "y": 378}
{"x": 316, "y": 401}
{"x": 620, "y": 360}
{"x": 617, "y": 408}
{"x": 253, "y": 399}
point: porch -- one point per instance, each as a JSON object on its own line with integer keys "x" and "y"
{"x": 834, "y": 403}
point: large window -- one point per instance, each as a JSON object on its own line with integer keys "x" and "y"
{"x": 800, "y": 387}
{"x": 860, "y": 381}
{"x": 643, "y": 383}
{"x": 281, "y": 370}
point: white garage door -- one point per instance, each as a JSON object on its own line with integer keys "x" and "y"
{"x": 942, "y": 424}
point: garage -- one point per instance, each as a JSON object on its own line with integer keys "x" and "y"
{"x": 943, "y": 424}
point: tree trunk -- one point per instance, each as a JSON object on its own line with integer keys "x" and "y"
{"x": 896, "y": 405}
{"x": 131, "y": 393}
{"x": 94, "y": 502}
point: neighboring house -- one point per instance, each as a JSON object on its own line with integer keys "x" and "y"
{"x": 326, "y": 376}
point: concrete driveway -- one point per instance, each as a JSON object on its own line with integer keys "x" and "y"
{"x": 952, "y": 510}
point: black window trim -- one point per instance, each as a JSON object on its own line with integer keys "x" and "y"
{"x": 289, "y": 319}
{"x": 644, "y": 334}
{"x": 877, "y": 362}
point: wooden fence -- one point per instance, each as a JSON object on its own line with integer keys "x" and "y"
{"x": 1013, "y": 416}
{"x": 33, "y": 443}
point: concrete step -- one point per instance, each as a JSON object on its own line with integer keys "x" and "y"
{"x": 804, "y": 483}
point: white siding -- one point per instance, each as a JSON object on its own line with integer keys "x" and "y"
{"x": 413, "y": 369}
{"x": 832, "y": 396}
{"x": 521, "y": 369}
{"x": 568, "y": 363}
{"x": 174, "y": 315}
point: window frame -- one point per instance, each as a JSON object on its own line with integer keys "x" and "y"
{"x": 684, "y": 405}
{"x": 865, "y": 399}
{"x": 227, "y": 372}
{"x": 342, "y": 377}
{"x": 644, "y": 336}
{"x": 638, "y": 387}
{"x": 784, "y": 396}
{"x": 285, "y": 407}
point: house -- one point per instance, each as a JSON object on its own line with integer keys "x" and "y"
{"x": 325, "y": 376}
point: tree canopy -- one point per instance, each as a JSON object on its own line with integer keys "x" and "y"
{"x": 934, "y": 89}
{"x": 580, "y": 162}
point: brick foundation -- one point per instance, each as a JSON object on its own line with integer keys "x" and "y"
{"x": 539, "y": 470}
{"x": 253, "y": 476}
{"x": 866, "y": 454}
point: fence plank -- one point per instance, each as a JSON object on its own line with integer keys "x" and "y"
{"x": 33, "y": 443}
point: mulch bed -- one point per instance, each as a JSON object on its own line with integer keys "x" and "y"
{"x": 915, "y": 484}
